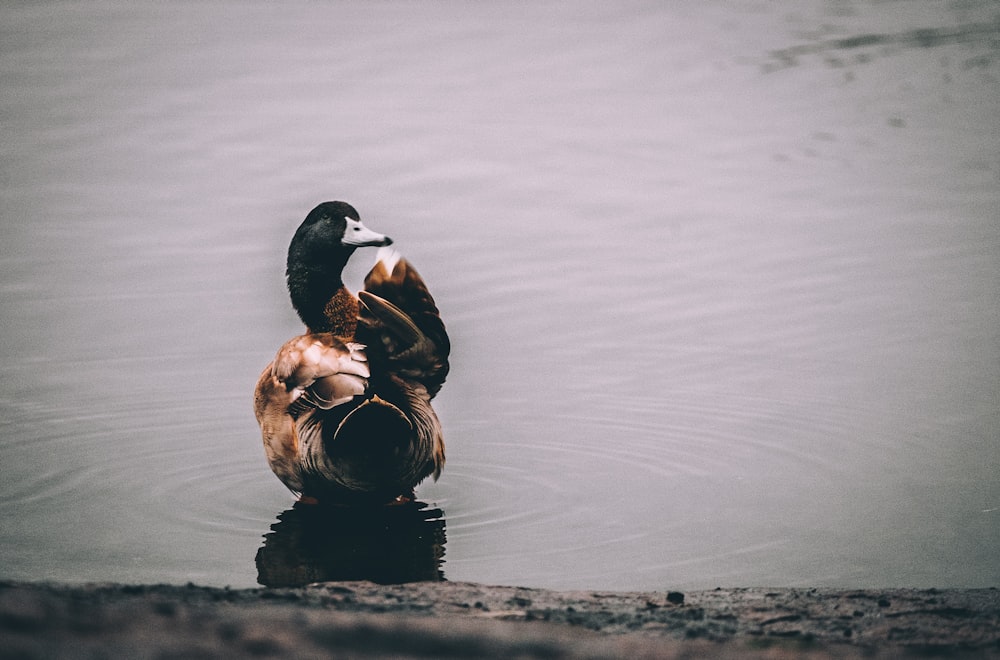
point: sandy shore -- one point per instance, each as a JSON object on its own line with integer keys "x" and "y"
{"x": 452, "y": 620}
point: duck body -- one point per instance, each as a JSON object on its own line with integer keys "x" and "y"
{"x": 345, "y": 408}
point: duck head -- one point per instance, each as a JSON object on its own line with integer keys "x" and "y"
{"x": 322, "y": 244}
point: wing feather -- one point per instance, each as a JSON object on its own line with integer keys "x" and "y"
{"x": 401, "y": 323}
{"x": 311, "y": 371}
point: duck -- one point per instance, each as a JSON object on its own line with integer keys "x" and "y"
{"x": 345, "y": 409}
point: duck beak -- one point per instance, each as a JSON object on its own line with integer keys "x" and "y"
{"x": 357, "y": 235}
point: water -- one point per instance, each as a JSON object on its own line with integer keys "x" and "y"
{"x": 723, "y": 281}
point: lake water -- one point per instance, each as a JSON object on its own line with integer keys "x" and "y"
{"x": 722, "y": 281}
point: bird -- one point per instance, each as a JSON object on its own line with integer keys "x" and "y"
{"x": 345, "y": 408}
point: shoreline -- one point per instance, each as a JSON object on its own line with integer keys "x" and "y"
{"x": 454, "y": 619}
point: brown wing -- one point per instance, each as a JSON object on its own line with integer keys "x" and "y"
{"x": 312, "y": 371}
{"x": 401, "y": 325}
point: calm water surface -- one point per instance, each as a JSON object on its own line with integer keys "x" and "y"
{"x": 723, "y": 281}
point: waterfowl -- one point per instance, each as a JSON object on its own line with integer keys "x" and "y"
{"x": 345, "y": 408}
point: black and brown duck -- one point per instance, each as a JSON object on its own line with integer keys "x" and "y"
{"x": 345, "y": 409}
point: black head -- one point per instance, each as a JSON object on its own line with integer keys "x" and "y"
{"x": 333, "y": 228}
{"x": 322, "y": 244}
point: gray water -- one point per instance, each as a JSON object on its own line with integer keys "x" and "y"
{"x": 722, "y": 280}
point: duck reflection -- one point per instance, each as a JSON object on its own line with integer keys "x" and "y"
{"x": 385, "y": 544}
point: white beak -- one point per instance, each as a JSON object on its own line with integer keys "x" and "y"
{"x": 357, "y": 235}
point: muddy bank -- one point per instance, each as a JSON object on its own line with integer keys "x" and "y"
{"x": 446, "y": 619}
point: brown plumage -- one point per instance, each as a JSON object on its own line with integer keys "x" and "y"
{"x": 344, "y": 409}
